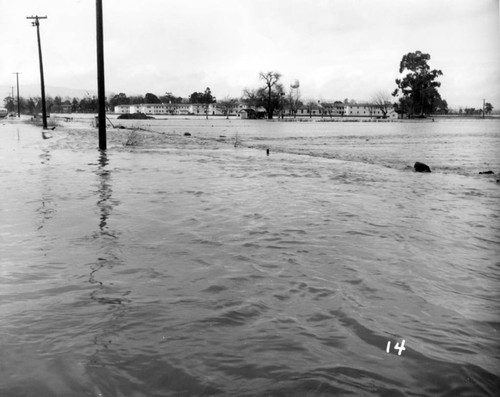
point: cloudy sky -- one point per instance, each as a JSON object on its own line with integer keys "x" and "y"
{"x": 336, "y": 48}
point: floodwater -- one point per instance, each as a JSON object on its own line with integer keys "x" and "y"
{"x": 200, "y": 266}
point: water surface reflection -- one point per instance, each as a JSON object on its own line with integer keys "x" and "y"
{"x": 109, "y": 256}
{"x": 47, "y": 206}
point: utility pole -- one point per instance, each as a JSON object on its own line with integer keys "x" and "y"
{"x": 18, "y": 103}
{"x": 101, "y": 96}
{"x": 42, "y": 83}
{"x": 483, "y": 107}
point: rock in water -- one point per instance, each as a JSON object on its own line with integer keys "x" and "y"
{"x": 421, "y": 167}
{"x": 486, "y": 172}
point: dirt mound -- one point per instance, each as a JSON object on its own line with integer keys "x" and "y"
{"x": 134, "y": 116}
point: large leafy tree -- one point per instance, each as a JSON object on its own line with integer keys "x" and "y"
{"x": 136, "y": 99}
{"x": 9, "y": 103}
{"x": 151, "y": 98}
{"x": 88, "y": 104}
{"x": 75, "y": 105}
{"x": 419, "y": 86}
{"x": 170, "y": 98}
{"x": 195, "y": 97}
{"x": 488, "y": 108}
{"x": 119, "y": 99}
{"x": 202, "y": 97}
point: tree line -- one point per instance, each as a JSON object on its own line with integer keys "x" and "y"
{"x": 416, "y": 95}
{"x": 416, "y": 91}
{"x": 488, "y": 108}
{"x": 33, "y": 105}
{"x": 89, "y": 104}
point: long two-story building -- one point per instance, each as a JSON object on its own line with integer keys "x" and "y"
{"x": 198, "y": 109}
{"x": 335, "y": 109}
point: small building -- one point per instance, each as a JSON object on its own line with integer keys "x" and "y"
{"x": 253, "y": 113}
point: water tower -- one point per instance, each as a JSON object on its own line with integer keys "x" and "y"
{"x": 294, "y": 95}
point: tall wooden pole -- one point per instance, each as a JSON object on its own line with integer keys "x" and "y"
{"x": 100, "y": 78}
{"x": 18, "y": 103}
{"x": 42, "y": 82}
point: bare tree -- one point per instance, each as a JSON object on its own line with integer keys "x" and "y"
{"x": 382, "y": 100}
{"x": 250, "y": 97}
{"x": 371, "y": 108}
{"x": 271, "y": 79}
{"x": 227, "y": 104}
{"x": 327, "y": 108}
{"x": 311, "y": 104}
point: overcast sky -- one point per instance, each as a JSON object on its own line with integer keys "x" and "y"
{"x": 337, "y": 49}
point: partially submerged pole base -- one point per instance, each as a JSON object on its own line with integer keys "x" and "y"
{"x": 46, "y": 134}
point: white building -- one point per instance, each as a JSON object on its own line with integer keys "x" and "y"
{"x": 367, "y": 110}
{"x": 121, "y": 109}
{"x": 170, "y": 109}
{"x": 336, "y": 109}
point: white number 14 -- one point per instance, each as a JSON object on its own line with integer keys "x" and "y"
{"x": 398, "y": 347}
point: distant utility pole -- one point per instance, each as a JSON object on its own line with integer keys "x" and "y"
{"x": 42, "y": 83}
{"x": 18, "y": 103}
{"x": 101, "y": 96}
{"x": 483, "y": 107}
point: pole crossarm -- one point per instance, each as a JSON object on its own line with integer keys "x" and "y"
{"x": 36, "y": 18}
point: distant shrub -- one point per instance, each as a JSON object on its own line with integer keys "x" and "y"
{"x": 133, "y": 139}
{"x": 236, "y": 140}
